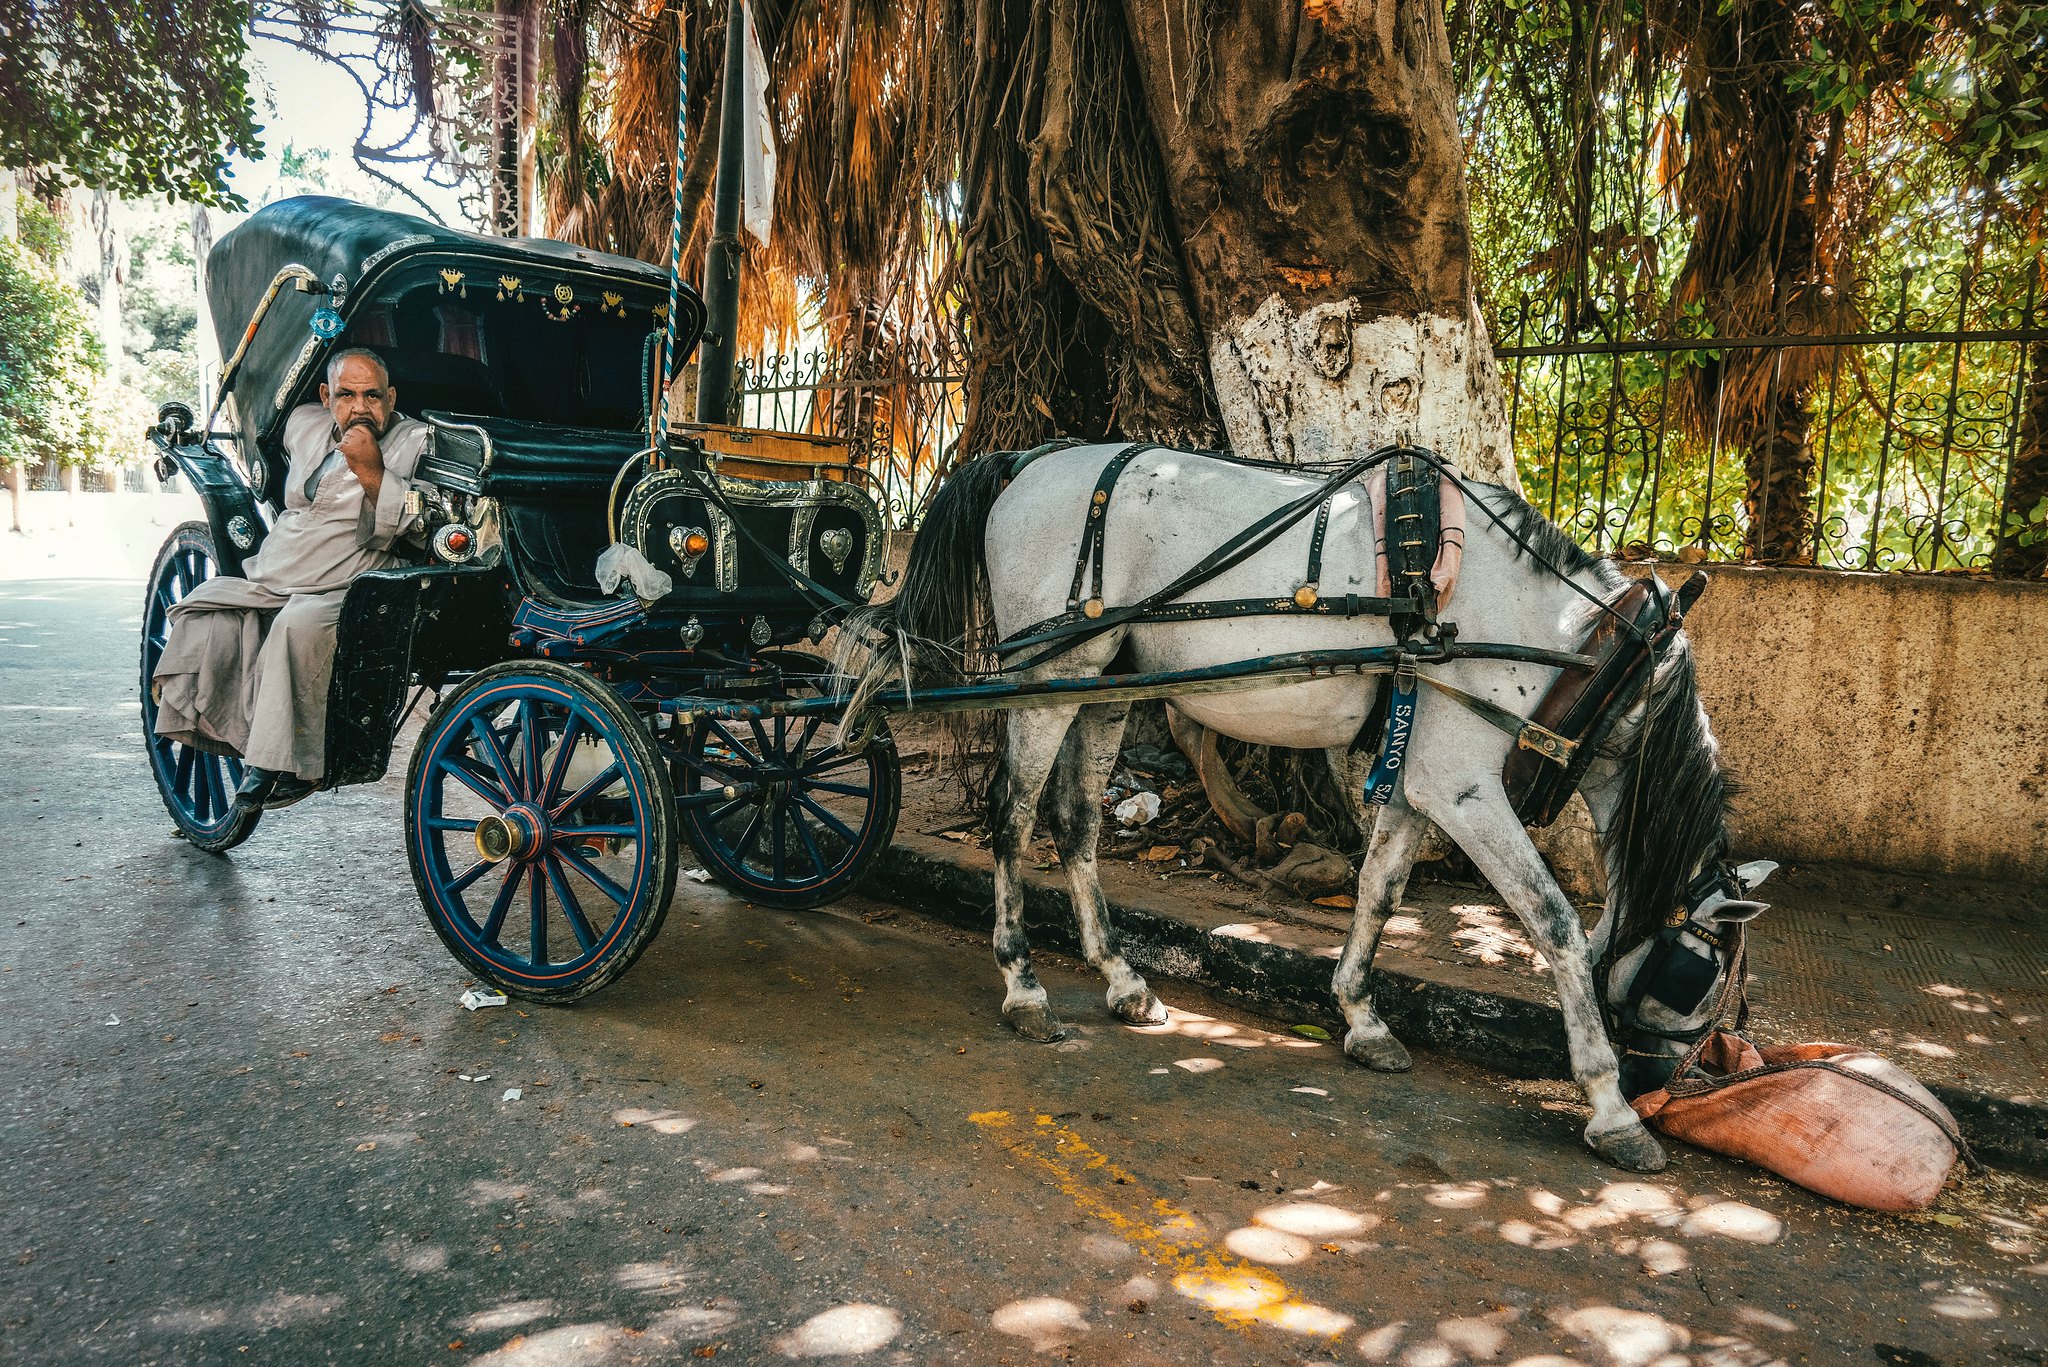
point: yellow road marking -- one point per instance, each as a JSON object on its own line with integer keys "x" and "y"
{"x": 1234, "y": 1291}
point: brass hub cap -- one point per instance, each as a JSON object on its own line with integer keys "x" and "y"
{"x": 514, "y": 833}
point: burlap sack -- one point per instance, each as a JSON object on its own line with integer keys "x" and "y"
{"x": 1835, "y": 1119}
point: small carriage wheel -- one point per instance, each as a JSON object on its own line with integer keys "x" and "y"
{"x": 541, "y": 829}
{"x": 778, "y": 809}
{"x": 198, "y": 788}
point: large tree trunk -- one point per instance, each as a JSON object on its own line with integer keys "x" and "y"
{"x": 1315, "y": 171}
{"x": 2027, "y": 485}
{"x": 1779, "y": 496}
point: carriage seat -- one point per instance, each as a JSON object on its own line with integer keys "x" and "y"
{"x": 551, "y": 482}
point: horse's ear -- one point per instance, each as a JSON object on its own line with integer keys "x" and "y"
{"x": 1751, "y": 875}
{"x": 1733, "y": 911}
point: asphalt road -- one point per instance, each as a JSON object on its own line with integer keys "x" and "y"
{"x": 245, "y": 1120}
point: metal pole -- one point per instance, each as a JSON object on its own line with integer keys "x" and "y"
{"x": 722, "y": 262}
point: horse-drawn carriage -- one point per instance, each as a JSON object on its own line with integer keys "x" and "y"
{"x": 580, "y": 736}
{"x": 555, "y": 778}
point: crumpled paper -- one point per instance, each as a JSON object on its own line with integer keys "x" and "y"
{"x": 1138, "y": 809}
{"x": 621, "y": 563}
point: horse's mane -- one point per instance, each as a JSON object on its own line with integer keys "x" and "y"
{"x": 1674, "y": 798}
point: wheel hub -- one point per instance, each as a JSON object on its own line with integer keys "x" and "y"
{"x": 515, "y": 833}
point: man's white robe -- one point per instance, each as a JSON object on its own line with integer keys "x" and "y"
{"x": 248, "y": 662}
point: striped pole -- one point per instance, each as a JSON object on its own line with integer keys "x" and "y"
{"x": 675, "y": 241}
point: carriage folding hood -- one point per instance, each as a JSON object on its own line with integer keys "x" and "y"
{"x": 361, "y": 256}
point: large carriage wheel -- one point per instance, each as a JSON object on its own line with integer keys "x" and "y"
{"x": 198, "y": 788}
{"x": 541, "y": 829}
{"x": 779, "y": 810}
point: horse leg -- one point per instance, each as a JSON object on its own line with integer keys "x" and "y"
{"x": 1486, "y": 828}
{"x": 1074, "y": 815}
{"x": 1035, "y": 738}
{"x": 1382, "y": 878}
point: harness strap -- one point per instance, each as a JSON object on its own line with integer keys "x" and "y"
{"x": 1311, "y": 584}
{"x": 1077, "y": 622}
{"x": 1236, "y": 551}
{"x": 1089, "y": 562}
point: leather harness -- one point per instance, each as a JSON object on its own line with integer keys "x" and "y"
{"x": 1553, "y": 747}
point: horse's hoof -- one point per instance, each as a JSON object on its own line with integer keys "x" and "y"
{"x": 1140, "y": 1008}
{"x": 1632, "y": 1148}
{"x": 1035, "y": 1022}
{"x": 1381, "y": 1053}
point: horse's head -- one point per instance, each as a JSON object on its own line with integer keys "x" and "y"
{"x": 1665, "y": 991}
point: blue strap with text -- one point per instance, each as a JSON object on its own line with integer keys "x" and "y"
{"x": 1379, "y": 785}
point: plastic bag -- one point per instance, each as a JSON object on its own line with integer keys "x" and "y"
{"x": 621, "y": 562}
{"x": 1836, "y": 1119}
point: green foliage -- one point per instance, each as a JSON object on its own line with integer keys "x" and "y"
{"x": 160, "y": 301}
{"x": 50, "y": 368}
{"x": 141, "y": 96}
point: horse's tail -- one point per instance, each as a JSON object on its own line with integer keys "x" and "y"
{"x": 939, "y": 616}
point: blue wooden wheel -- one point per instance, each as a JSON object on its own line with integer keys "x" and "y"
{"x": 541, "y": 829}
{"x": 198, "y": 787}
{"x": 780, "y": 810}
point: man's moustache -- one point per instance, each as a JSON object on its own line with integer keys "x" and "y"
{"x": 362, "y": 420}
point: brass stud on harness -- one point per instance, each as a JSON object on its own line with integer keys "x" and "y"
{"x": 1092, "y": 609}
{"x": 1306, "y": 596}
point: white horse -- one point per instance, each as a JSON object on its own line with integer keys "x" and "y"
{"x": 1002, "y": 550}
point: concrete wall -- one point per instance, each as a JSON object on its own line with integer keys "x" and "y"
{"x": 1898, "y": 721}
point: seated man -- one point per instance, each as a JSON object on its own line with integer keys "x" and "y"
{"x": 248, "y": 662}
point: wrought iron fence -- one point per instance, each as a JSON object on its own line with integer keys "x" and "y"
{"x": 1889, "y": 414}
{"x": 1895, "y": 405}
{"x": 900, "y": 411}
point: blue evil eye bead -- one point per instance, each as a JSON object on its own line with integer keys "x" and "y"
{"x": 327, "y": 325}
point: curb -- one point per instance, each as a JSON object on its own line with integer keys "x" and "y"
{"x": 1519, "y": 1036}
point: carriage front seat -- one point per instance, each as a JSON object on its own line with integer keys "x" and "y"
{"x": 551, "y": 483}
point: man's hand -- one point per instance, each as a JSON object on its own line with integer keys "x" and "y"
{"x": 359, "y": 448}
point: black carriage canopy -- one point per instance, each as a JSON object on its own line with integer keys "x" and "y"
{"x": 513, "y": 327}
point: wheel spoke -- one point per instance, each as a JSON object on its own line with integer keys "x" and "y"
{"x": 572, "y": 911}
{"x": 843, "y": 789}
{"x": 803, "y": 742}
{"x": 830, "y": 822}
{"x": 451, "y": 823}
{"x": 537, "y": 918}
{"x": 617, "y": 832}
{"x": 572, "y": 734}
{"x": 775, "y": 844}
{"x": 803, "y": 835}
{"x": 612, "y": 774}
{"x": 203, "y": 808}
{"x": 469, "y": 875}
{"x": 494, "y": 924}
{"x": 181, "y": 775}
{"x": 487, "y": 738}
{"x": 833, "y": 758}
{"x": 532, "y": 728}
{"x": 464, "y": 772}
{"x": 749, "y": 840}
{"x": 728, "y": 805}
{"x": 741, "y": 753}
{"x": 596, "y": 877}
{"x": 711, "y": 768}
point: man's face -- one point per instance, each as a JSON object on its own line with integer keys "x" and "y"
{"x": 359, "y": 396}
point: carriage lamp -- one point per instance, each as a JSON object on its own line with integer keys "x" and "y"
{"x": 454, "y": 543}
{"x": 688, "y": 544}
